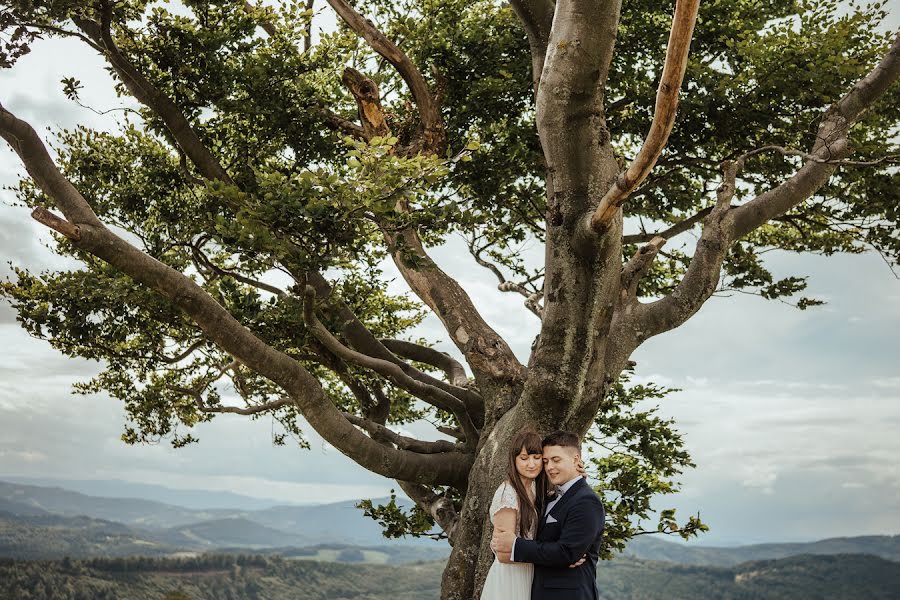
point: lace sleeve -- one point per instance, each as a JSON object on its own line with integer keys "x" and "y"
{"x": 504, "y": 497}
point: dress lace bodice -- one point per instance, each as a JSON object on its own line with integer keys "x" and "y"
{"x": 505, "y": 497}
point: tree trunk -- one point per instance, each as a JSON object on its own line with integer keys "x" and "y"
{"x": 471, "y": 557}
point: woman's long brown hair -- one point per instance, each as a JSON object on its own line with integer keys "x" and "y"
{"x": 528, "y": 508}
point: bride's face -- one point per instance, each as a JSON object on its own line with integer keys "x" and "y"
{"x": 529, "y": 465}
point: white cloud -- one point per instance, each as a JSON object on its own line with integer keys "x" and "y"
{"x": 892, "y": 383}
{"x": 259, "y": 487}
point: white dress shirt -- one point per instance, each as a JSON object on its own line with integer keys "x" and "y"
{"x": 560, "y": 492}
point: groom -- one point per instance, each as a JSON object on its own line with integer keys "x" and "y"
{"x": 571, "y": 527}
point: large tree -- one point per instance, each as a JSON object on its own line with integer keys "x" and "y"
{"x": 255, "y": 156}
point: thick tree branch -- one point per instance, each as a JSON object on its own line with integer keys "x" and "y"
{"x": 490, "y": 357}
{"x": 537, "y": 19}
{"x": 639, "y": 264}
{"x": 726, "y": 225}
{"x": 432, "y": 127}
{"x": 389, "y": 370}
{"x": 830, "y": 148}
{"x": 663, "y": 118}
{"x": 451, "y": 431}
{"x": 346, "y": 126}
{"x": 362, "y": 340}
{"x": 702, "y": 276}
{"x": 221, "y": 327}
{"x": 149, "y": 95}
{"x": 48, "y": 219}
{"x": 439, "y": 507}
{"x": 455, "y": 372}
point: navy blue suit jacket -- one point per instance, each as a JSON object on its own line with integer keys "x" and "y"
{"x": 577, "y": 531}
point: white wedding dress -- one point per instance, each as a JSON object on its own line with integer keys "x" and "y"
{"x": 508, "y": 581}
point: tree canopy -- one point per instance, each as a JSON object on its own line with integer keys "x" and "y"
{"x": 261, "y": 154}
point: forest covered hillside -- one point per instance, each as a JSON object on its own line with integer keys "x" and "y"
{"x": 230, "y": 577}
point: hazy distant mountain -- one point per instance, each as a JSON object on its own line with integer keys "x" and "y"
{"x": 193, "y": 499}
{"x": 131, "y": 511}
{"x": 42, "y": 537}
{"x": 53, "y": 536}
{"x": 242, "y": 532}
{"x": 340, "y": 522}
{"x": 162, "y": 528}
{"x": 650, "y": 548}
{"x": 20, "y": 508}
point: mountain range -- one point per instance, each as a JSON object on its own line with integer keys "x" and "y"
{"x": 39, "y": 522}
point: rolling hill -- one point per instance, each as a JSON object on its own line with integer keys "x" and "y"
{"x": 218, "y": 577}
{"x": 649, "y": 548}
{"x": 39, "y": 522}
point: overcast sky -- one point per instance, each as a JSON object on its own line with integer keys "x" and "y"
{"x": 792, "y": 417}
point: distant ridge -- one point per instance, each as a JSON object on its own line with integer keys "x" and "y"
{"x": 51, "y": 522}
{"x": 117, "y": 488}
{"x": 646, "y": 547}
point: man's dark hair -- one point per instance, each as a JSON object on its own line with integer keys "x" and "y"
{"x": 566, "y": 439}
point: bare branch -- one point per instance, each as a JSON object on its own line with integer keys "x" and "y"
{"x": 183, "y": 355}
{"x": 890, "y": 159}
{"x": 249, "y": 410}
{"x": 209, "y": 264}
{"x": 668, "y": 234}
{"x": 532, "y": 299}
{"x": 380, "y": 432}
{"x": 663, "y": 118}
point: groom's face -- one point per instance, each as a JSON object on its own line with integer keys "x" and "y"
{"x": 560, "y": 463}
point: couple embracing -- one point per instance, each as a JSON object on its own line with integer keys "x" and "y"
{"x": 548, "y": 523}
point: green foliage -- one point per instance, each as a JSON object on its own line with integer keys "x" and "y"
{"x": 635, "y": 456}
{"x": 397, "y": 522}
{"x": 214, "y": 577}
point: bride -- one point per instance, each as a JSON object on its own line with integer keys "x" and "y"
{"x": 516, "y": 506}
